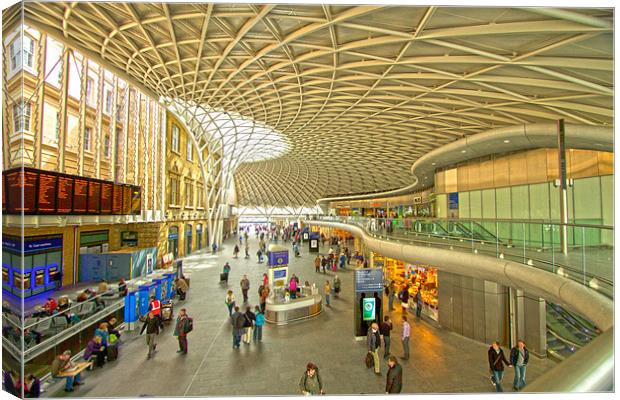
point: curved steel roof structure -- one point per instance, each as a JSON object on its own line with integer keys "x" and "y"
{"x": 359, "y": 92}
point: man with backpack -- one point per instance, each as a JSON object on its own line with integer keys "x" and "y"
{"x": 310, "y": 383}
{"x": 183, "y": 326}
{"x": 237, "y": 320}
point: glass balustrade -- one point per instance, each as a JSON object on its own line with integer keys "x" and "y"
{"x": 587, "y": 257}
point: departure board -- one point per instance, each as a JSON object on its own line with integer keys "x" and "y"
{"x": 106, "y": 198}
{"x": 64, "y": 200}
{"x": 117, "y": 200}
{"x": 13, "y": 181}
{"x": 34, "y": 191}
{"x": 94, "y": 197}
{"x": 126, "y": 199}
{"x": 30, "y": 191}
{"x": 47, "y": 193}
{"x": 80, "y": 196}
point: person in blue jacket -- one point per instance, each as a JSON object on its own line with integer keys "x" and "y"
{"x": 259, "y": 323}
{"x": 519, "y": 357}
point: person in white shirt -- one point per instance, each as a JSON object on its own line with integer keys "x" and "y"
{"x": 406, "y": 334}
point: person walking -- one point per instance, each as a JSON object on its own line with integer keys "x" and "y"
{"x": 384, "y": 330}
{"x": 405, "y": 338}
{"x": 373, "y": 340}
{"x": 404, "y": 298}
{"x": 342, "y": 260}
{"x": 317, "y": 263}
{"x": 259, "y": 254}
{"x": 226, "y": 271}
{"x": 519, "y": 357}
{"x": 310, "y": 382}
{"x": 336, "y": 286}
{"x": 394, "y": 380}
{"x": 418, "y": 303}
{"x": 214, "y": 247}
{"x": 248, "y": 324}
{"x": 259, "y": 323}
{"x": 245, "y": 286}
{"x": 236, "y": 251}
{"x": 497, "y": 359}
{"x": 237, "y": 321}
{"x": 247, "y": 249}
{"x": 391, "y": 295}
{"x": 327, "y": 290}
{"x": 263, "y": 298}
{"x": 183, "y": 326}
{"x": 323, "y": 263}
{"x": 151, "y": 324}
{"x": 155, "y": 308}
{"x": 230, "y": 302}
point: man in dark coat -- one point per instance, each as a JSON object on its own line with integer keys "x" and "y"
{"x": 497, "y": 359}
{"x": 394, "y": 381}
{"x": 152, "y": 330}
{"x": 237, "y": 320}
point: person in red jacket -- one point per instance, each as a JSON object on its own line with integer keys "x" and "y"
{"x": 155, "y": 308}
{"x": 51, "y": 305}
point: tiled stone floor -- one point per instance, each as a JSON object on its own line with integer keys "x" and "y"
{"x": 441, "y": 361}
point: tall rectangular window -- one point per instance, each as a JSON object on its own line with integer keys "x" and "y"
{"x": 28, "y": 51}
{"x": 90, "y": 93}
{"x": 174, "y": 190}
{"x": 189, "y": 194}
{"x": 21, "y": 116}
{"x": 175, "y": 138}
{"x": 108, "y": 101}
{"x": 15, "y": 52}
{"x": 190, "y": 150}
{"x": 87, "y": 138}
{"x": 106, "y": 146}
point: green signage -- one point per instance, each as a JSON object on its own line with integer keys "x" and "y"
{"x": 368, "y": 310}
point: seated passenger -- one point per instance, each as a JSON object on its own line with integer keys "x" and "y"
{"x": 104, "y": 288}
{"x": 102, "y": 332}
{"x": 122, "y": 288}
{"x": 181, "y": 285}
{"x": 63, "y": 363}
{"x": 50, "y": 305}
{"x": 97, "y": 349}
{"x": 63, "y": 305}
{"x": 83, "y": 296}
{"x": 32, "y": 387}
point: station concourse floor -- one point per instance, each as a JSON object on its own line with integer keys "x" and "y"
{"x": 441, "y": 361}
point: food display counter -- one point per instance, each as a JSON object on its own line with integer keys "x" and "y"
{"x": 284, "y": 312}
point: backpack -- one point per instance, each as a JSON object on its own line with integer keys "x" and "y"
{"x": 189, "y": 325}
{"x": 247, "y": 322}
{"x": 239, "y": 322}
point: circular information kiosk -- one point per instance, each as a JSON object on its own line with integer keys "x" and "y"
{"x": 282, "y": 306}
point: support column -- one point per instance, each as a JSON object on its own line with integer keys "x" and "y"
{"x": 99, "y": 121}
{"x": 563, "y": 190}
{"x": 113, "y": 130}
{"x": 533, "y": 323}
{"x": 82, "y": 116}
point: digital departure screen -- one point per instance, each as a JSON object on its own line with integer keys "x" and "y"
{"x": 106, "y": 198}
{"x": 94, "y": 197}
{"x": 64, "y": 199}
{"x": 80, "y": 196}
{"x": 47, "y": 193}
{"x": 117, "y": 200}
{"x": 126, "y": 200}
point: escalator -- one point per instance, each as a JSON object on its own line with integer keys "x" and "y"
{"x": 566, "y": 332}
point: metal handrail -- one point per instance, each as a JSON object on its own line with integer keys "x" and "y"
{"x": 519, "y": 221}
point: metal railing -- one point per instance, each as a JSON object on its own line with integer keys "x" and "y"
{"x": 589, "y": 259}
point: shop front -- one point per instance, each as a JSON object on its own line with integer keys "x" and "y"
{"x": 198, "y": 236}
{"x": 173, "y": 241}
{"x": 188, "y": 240}
{"x": 415, "y": 277}
{"x": 41, "y": 270}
